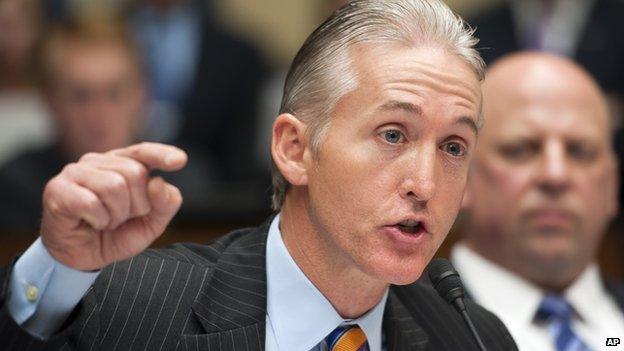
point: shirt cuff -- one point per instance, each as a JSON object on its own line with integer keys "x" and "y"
{"x": 43, "y": 291}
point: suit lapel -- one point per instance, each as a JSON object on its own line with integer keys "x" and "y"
{"x": 232, "y": 306}
{"x": 617, "y": 291}
{"x": 401, "y": 330}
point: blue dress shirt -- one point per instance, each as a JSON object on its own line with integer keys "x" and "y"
{"x": 43, "y": 291}
{"x": 299, "y": 317}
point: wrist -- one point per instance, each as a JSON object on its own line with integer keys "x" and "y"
{"x": 65, "y": 257}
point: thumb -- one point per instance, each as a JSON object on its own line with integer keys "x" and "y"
{"x": 165, "y": 200}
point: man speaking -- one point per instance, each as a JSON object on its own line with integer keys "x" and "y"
{"x": 378, "y": 120}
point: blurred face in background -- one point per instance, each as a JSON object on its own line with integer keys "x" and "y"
{"x": 97, "y": 95}
{"x": 543, "y": 186}
{"x": 19, "y": 29}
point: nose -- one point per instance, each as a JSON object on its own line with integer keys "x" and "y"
{"x": 554, "y": 172}
{"x": 418, "y": 183}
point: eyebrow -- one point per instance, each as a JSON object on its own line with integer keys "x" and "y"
{"x": 400, "y": 105}
{"x": 470, "y": 122}
{"x": 416, "y": 110}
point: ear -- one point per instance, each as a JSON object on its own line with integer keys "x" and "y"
{"x": 289, "y": 148}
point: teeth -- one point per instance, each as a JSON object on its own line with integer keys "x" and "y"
{"x": 411, "y": 228}
{"x": 409, "y": 223}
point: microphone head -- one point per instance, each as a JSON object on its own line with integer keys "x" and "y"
{"x": 445, "y": 280}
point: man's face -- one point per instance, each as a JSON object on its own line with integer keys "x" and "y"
{"x": 391, "y": 170}
{"x": 543, "y": 185}
{"x": 97, "y": 96}
{"x": 18, "y": 31}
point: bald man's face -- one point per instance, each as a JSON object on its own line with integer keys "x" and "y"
{"x": 543, "y": 185}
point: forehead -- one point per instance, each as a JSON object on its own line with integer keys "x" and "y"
{"x": 438, "y": 83}
{"x": 539, "y": 112}
{"x": 91, "y": 61}
{"x": 384, "y": 63}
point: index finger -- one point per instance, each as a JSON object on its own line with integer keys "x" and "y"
{"x": 155, "y": 155}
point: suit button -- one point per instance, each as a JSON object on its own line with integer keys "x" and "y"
{"x": 32, "y": 293}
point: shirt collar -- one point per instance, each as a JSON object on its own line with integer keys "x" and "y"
{"x": 497, "y": 288}
{"x": 300, "y": 315}
{"x": 585, "y": 291}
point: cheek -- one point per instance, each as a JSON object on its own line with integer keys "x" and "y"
{"x": 596, "y": 199}
{"x": 505, "y": 182}
{"x": 450, "y": 183}
{"x": 351, "y": 175}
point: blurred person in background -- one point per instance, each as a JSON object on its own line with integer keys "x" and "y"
{"x": 588, "y": 31}
{"x": 23, "y": 117}
{"x": 540, "y": 195}
{"x": 204, "y": 83}
{"x": 92, "y": 80}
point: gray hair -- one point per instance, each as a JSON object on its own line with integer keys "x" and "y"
{"x": 321, "y": 73}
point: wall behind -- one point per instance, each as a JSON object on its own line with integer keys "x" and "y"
{"x": 280, "y": 26}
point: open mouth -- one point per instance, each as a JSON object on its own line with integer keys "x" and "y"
{"x": 411, "y": 227}
{"x": 408, "y": 232}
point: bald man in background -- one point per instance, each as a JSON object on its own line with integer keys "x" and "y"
{"x": 541, "y": 193}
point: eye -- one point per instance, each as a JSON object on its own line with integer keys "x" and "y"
{"x": 582, "y": 152}
{"x": 520, "y": 151}
{"x": 454, "y": 149}
{"x": 392, "y": 136}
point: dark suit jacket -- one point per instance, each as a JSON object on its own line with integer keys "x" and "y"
{"x": 600, "y": 49}
{"x": 200, "y": 297}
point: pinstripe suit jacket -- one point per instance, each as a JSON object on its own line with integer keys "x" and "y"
{"x": 213, "y": 297}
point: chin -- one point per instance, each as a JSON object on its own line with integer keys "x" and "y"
{"x": 553, "y": 250}
{"x": 397, "y": 271}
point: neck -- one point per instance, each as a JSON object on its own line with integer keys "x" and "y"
{"x": 351, "y": 292}
{"x": 551, "y": 275}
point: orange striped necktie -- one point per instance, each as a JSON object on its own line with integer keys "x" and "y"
{"x": 347, "y": 338}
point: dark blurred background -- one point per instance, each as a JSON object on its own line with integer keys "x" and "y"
{"x": 89, "y": 75}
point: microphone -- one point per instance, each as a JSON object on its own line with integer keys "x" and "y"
{"x": 447, "y": 283}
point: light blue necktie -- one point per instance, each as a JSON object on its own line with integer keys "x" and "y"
{"x": 557, "y": 312}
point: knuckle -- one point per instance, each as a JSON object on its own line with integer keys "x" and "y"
{"x": 137, "y": 172}
{"x": 54, "y": 206}
{"x": 52, "y": 189}
{"x": 176, "y": 191}
{"x": 145, "y": 144}
{"x": 176, "y": 194}
{"x": 70, "y": 168}
{"x": 116, "y": 182}
{"x": 89, "y": 156}
{"x": 91, "y": 204}
{"x": 143, "y": 209}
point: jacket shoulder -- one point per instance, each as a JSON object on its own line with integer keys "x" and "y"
{"x": 199, "y": 254}
{"x": 160, "y": 288}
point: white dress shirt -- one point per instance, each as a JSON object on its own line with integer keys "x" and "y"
{"x": 43, "y": 292}
{"x": 299, "y": 317}
{"x": 515, "y": 301}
